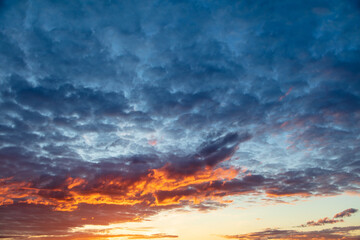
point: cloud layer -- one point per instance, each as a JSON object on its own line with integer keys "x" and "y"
{"x": 134, "y": 107}
{"x": 331, "y": 233}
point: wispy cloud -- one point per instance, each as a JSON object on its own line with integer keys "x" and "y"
{"x": 346, "y": 213}
{"x": 82, "y": 236}
{"x": 331, "y": 233}
{"x": 335, "y": 219}
{"x": 321, "y": 222}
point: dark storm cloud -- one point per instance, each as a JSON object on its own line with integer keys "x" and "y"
{"x": 136, "y": 90}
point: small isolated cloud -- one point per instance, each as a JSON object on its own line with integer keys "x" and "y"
{"x": 326, "y": 220}
{"x": 346, "y": 213}
{"x": 321, "y": 222}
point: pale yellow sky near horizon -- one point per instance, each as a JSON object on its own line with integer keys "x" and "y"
{"x": 235, "y": 219}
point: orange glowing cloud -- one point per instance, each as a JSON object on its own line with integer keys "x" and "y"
{"x": 117, "y": 191}
{"x": 296, "y": 194}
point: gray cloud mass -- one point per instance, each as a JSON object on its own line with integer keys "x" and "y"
{"x": 102, "y": 89}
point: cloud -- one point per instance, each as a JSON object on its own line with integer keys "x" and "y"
{"x": 110, "y": 236}
{"x": 134, "y": 107}
{"x": 95, "y": 236}
{"x": 287, "y": 93}
{"x": 321, "y": 222}
{"x": 331, "y": 233}
{"x": 326, "y": 220}
{"x": 149, "y": 188}
{"x": 346, "y": 213}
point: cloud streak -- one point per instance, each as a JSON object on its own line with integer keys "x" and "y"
{"x": 346, "y": 213}
{"x": 96, "y": 236}
{"x": 331, "y": 233}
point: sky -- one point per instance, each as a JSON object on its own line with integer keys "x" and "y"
{"x": 179, "y": 119}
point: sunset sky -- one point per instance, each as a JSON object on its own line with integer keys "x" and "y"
{"x": 189, "y": 120}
